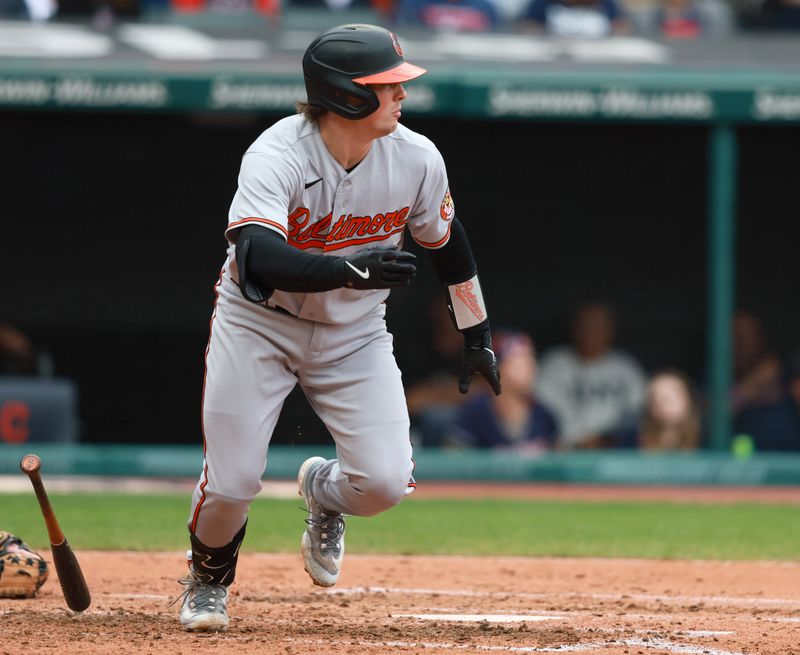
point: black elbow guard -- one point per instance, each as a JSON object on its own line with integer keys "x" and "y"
{"x": 250, "y": 288}
{"x": 454, "y": 262}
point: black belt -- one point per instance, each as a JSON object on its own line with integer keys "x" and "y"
{"x": 281, "y": 310}
{"x": 274, "y": 308}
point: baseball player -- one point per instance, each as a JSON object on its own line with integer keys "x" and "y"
{"x": 315, "y": 232}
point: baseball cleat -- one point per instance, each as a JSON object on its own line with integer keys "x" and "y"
{"x": 322, "y": 544}
{"x": 205, "y": 606}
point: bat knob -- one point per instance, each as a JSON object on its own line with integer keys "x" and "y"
{"x": 30, "y": 464}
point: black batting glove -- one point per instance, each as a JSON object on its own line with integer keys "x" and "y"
{"x": 478, "y": 357}
{"x": 378, "y": 268}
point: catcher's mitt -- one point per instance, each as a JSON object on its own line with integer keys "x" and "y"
{"x": 22, "y": 571}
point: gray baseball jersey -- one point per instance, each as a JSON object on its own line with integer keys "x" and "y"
{"x": 334, "y": 343}
{"x": 290, "y": 183}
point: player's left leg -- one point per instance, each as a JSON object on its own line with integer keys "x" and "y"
{"x": 356, "y": 388}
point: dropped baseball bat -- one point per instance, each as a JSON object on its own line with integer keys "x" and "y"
{"x": 73, "y": 584}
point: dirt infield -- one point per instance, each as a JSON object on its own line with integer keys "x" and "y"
{"x": 385, "y": 605}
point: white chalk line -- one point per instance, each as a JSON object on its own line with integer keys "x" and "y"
{"x": 534, "y": 618}
{"x": 572, "y": 561}
{"x": 480, "y": 618}
{"x": 503, "y": 596}
{"x": 138, "y": 596}
{"x": 63, "y": 611}
{"x": 659, "y": 644}
{"x": 575, "y": 648}
{"x": 720, "y": 600}
{"x": 673, "y": 647}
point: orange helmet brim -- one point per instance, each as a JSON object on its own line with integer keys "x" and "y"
{"x": 400, "y": 73}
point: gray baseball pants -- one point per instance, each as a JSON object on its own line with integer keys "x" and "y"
{"x": 348, "y": 373}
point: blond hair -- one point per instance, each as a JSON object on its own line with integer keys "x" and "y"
{"x": 312, "y": 113}
{"x": 685, "y": 435}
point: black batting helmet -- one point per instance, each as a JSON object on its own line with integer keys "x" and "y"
{"x": 340, "y": 63}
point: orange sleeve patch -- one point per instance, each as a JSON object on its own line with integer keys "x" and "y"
{"x": 448, "y": 208}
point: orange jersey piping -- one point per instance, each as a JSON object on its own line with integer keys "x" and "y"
{"x": 264, "y": 221}
{"x": 203, "y": 484}
{"x": 436, "y": 244}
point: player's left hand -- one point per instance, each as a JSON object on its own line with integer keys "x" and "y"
{"x": 478, "y": 357}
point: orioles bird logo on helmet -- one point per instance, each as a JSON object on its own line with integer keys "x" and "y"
{"x": 396, "y": 44}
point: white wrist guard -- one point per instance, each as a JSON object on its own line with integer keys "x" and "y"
{"x": 466, "y": 300}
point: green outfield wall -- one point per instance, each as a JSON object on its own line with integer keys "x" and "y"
{"x": 590, "y": 467}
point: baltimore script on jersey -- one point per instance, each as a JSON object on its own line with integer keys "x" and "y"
{"x": 348, "y": 229}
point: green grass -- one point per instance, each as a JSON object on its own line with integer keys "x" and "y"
{"x": 466, "y": 527}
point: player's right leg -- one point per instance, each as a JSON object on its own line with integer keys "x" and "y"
{"x": 248, "y": 376}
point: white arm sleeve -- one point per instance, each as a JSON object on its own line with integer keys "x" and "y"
{"x": 466, "y": 299}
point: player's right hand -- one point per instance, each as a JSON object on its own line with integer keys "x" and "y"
{"x": 379, "y": 268}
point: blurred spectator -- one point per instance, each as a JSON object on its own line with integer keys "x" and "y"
{"x": 756, "y": 371}
{"x": 20, "y": 356}
{"x": 793, "y": 379}
{"x": 671, "y": 419}
{"x": 514, "y": 419}
{"x": 576, "y": 18}
{"x": 35, "y": 406}
{"x": 770, "y": 14}
{"x": 103, "y": 13}
{"x": 792, "y": 441}
{"x": 433, "y": 401}
{"x": 679, "y": 19}
{"x": 509, "y": 11}
{"x": 268, "y": 8}
{"x": 449, "y": 15}
{"x": 332, "y": 4}
{"x": 595, "y": 392}
{"x": 671, "y": 19}
{"x": 771, "y": 427}
{"x": 783, "y": 14}
{"x": 35, "y": 10}
{"x": 17, "y": 354}
{"x": 685, "y": 19}
{"x": 761, "y": 404}
{"x": 14, "y": 9}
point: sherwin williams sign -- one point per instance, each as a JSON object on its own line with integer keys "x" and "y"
{"x": 533, "y": 97}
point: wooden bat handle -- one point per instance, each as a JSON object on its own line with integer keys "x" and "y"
{"x": 73, "y": 584}
{"x": 30, "y": 465}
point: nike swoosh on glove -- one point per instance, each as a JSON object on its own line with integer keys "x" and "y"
{"x": 378, "y": 268}
{"x": 478, "y": 357}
